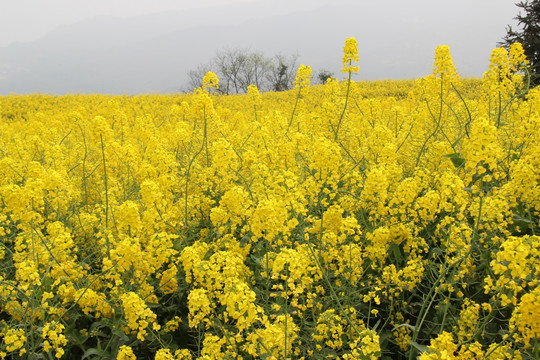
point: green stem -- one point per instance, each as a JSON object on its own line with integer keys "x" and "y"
{"x": 84, "y": 186}
{"x": 106, "y": 197}
{"x": 188, "y": 172}
{"x": 205, "y": 137}
{"x": 499, "y": 113}
{"x": 345, "y": 106}
{"x": 329, "y": 284}
{"x": 286, "y": 312}
{"x": 295, "y": 105}
{"x": 468, "y": 123}
{"x": 437, "y": 125}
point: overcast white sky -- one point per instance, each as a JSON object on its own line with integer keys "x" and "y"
{"x": 27, "y": 20}
{"x": 116, "y": 46}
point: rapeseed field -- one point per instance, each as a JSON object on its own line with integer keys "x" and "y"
{"x": 351, "y": 220}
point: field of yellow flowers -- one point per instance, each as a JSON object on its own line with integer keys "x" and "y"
{"x": 351, "y": 220}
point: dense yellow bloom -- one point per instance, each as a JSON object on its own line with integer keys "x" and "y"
{"x": 516, "y": 265}
{"x": 173, "y": 324}
{"x": 200, "y": 307}
{"x": 127, "y": 216}
{"x": 297, "y": 224}
{"x": 443, "y": 347}
{"x": 517, "y": 56}
{"x": 366, "y": 346}
{"x": 303, "y": 76}
{"x": 125, "y": 353}
{"x": 90, "y": 300}
{"x": 350, "y": 55}
{"x": 210, "y": 81}
{"x": 402, "y": 336}
{"x": 53, "y": 338}
{"x": 468, "y": 318}
{"x": 444, "y": 65}
{"x": 183, "y": 354}
{"x": 169, "y": 283}
{"x": 138, "y": 316}
{"x": 329, "y": 330}
{"x": 14, "y": 339}
{"x": 481, "y": 154}
{"x": 503, "y": 77}
{"x": 271, "y": 340}
{"x": 525, "y": 317}
{"x": 239, "y": 302}
{"x": 254, "y": 95}
{"x": 212, "y": 347}
{"x": 164, "y": 354}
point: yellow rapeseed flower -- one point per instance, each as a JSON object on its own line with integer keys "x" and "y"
{"x": 303, "y": 76}
{"x": 444, "y": 65}
{"x": 210, "y": 81}
{"x": 125, "y": 353}
{"x": 350, "y": 56}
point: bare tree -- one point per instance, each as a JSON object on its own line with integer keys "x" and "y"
{"x": 283, "y": 72}
{"x": 195, "y": 76}
{"x": 239, "y": 68}
{"x": 230, "y": 65}
{"x": 255, "y": 71}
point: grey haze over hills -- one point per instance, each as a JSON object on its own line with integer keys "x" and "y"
{"x": 153, "y": 53}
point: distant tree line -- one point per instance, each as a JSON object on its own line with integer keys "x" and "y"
{"x": 239, "y": 68}
{"x": 528, "y": 35}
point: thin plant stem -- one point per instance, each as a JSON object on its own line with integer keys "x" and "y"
{"x": 336, "y": 133}
{"x": 105, "y": 182}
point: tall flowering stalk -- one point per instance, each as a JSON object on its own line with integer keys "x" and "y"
{"x": 350, "y": 56}
{"x": 301, "y": 81}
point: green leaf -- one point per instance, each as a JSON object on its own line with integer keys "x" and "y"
{"x": 90, "y": 352}
{"x": 256, "y": 259}
{"x": 396, "y": 251}
{"x": 413, "y": 328}
{"x": 457, "y": 160}
{"x": 96, "y": 325}
{"x": 516, "y": 218}
{"x": 421, "y": 348}
{"x": 120, "y": 334}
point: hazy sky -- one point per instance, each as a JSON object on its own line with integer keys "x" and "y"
{"x": 133, "y": 46}
{"x": 27, "y": 20}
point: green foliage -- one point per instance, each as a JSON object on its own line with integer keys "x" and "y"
{"x": 528, "y": 35}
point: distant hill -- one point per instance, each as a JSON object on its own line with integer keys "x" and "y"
{"x": 153, "y": 53}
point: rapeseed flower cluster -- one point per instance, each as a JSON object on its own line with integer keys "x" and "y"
{"x": 303, "y": 76}
{"x": 350, "y": 56}
{"x": 349, "y": 220}
{"x": 14, "y": 339}
{"x": 53, "y": 338}
{"x": 138, "y": 316}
